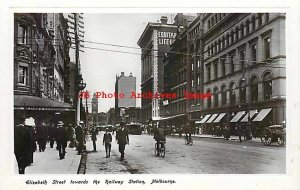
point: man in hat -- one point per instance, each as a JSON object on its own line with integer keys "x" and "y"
{"x": 41, "y": 132}
{"x": 107, "y": 138}
{"x": 22, "y": 147}
{"x": 61, "y": 139}
{"x": 122, "y": 139}
{"x": 30, "y": 124}
{"x": 94, "y": 137}
{"x": 79, "y": 137}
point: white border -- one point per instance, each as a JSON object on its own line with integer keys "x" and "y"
{"x": 191, "y": 181}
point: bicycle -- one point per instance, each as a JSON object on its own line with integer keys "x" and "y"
{"x": 162, "y": 148}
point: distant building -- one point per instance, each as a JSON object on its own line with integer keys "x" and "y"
{"x": 125, "y": 85}
{"x": 94, "y": 104}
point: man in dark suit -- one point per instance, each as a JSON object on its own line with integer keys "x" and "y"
{"x": 22, "y": 147}
{"x": 94, "y": 137}
{"x": 122, "y": 139}
{"x": 79, "y": 138}
{"x": 42, "y": 134}
{"x": 61, "y": 139}
{"x": 107, "y": 138}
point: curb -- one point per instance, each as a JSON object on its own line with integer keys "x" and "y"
{"x": 82, "y": 164}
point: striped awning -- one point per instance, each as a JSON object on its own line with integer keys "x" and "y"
{"x": 252, "y": 113}
{"x": 212, "y": 118}
{"x": 262, "y": 114}
{"x": 237, "y": 117}
{"x": 205, "y": 118}
{"x": 219, "y": 118}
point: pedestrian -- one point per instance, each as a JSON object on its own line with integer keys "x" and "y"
{"x": 61, "y": 139}
{"x": 72, "y": 143}
{"x": 52, "y": 134}
{"x": 240, "y": 131}
{"x": 22, "y": 147}
{"x": 30, "y": 124}
{"x": 79, "y": 137}
{"x": 160, "y": 137}
{"x": 107, "y": 138}
{"x": 94, "y": 137}
{"x": 122, "y": 139}
{"x": 42, "y": 134}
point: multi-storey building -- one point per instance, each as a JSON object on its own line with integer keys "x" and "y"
{"x": 173, "y": 111}
{"x": 39, "y": 66}
{"x": 244, "y": 68}
{"x": 154, "y": 42}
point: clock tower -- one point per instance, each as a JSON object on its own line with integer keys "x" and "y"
{"x": 94, "y": 104}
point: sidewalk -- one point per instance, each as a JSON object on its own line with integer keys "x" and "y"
{"x": 48, "y": 162}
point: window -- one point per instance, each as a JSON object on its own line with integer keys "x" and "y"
{"x": 223, "y": 66}
{"x": 236, "y": 34}
{"x": 242, "y": 89}
{"x": 224, "y": 100}
{"x": 242, "y": 58}
{"x": 267, "y": 85}
{"x": 247, "y": 27}
{"x": 22, "y": 75}
{"x": 192, "y": 83}
{"x": 198, "y": 63}
{"x": 267, "y": 42}
{"x": 209, "y": 24}
{"x": 208, "y": 72}
{"x": 192, "y": 66}
{"x": 22, "y": 37}
{"x": 216, "y": 70}
{"x": 232, "y": 63}
{"x": 267, "y": 17}
{"x": 208, "y": 51}
{"x": 242, "y": 30}
{"x": 216, "y": 97}
{"x": 253, "y": 23}
{"x": 232, "y": 94}
{"x": 198, "y": 80}
{"x": 208, "y": 99}
{"x": 254, "y": 89}
{"x": 259, "y": 19}
{"x": 253, "y": 53}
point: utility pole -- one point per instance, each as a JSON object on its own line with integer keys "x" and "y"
{"x": 77, "y": 90}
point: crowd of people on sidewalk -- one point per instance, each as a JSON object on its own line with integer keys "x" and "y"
{"x": 32, "y": 135}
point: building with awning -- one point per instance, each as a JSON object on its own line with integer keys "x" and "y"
{"x": 219, "y": 118}
{"x": 237, "y": 117}
{"x": 246, "y": 117}
{"x": 262, "y": 114}
{"x": 212, "y": 118}
{"x": 25, "y": 102}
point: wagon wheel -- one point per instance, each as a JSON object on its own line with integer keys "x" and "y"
{"x": 280, "y": 141}
{"x": 266, "y": 139}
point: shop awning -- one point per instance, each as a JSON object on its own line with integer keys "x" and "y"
{"x": 205, "y": 118}
{"x": 219, "y": 117}
{"x": 237, "y": 116}
{"x": 212, "y": 118}
{"x": 166, "y": 118}
{"x": 262, "y": 114}
{"x": 252, "y": 113}
{"x": 25, "y": 102}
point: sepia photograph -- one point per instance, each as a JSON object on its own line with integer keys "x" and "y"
{"x": 149, "y": 93}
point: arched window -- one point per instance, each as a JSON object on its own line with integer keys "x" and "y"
{"x": 242, "y": 90}
{"x": 254, "y": 89}
{"x": 232, "y": 93}
{"x": 267, "y": 86}
{"x": 224, "y": 98}
{"x": 216, "y": 97}
{"x": 208, "y": 99}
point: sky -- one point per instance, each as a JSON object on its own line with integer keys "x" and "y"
{"x": 99, "y": 68}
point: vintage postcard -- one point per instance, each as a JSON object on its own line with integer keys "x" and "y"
{"x": 150, "y": 98}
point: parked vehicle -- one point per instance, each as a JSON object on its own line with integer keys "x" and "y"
{"x": 274, "y": 133}
{"x": 134, "y": 128}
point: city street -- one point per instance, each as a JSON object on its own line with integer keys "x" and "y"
{"x": 206, "y": 156}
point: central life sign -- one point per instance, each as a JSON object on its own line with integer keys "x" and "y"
{"x": 166, "y": 38}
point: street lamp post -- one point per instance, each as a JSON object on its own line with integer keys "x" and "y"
{"x": 81, "y": 86}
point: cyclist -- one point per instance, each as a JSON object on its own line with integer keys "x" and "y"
{"x": 160, "y": 137}
{"x": 188, "y": 133}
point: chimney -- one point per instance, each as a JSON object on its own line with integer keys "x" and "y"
{"x": 164, "y": 20}
{"x": 122, "y": 74}
{"x": 130, "y": 75}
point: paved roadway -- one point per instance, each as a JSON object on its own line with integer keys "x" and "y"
{"x": 206, "y": 156}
